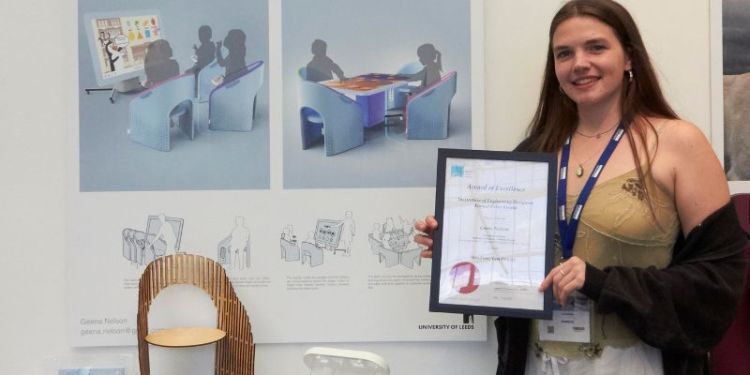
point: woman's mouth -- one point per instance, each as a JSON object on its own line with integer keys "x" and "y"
{"x": 583, "y": 81}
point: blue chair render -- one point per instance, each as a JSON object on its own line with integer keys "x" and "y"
{"x": 176, "y": 102}
{"x": 156, "y": 110}
{"x": 232, "y": 103}
{"x": 427, "y": 113}
{"x": 328, "y": 115}
{"x": 225, "y": 106}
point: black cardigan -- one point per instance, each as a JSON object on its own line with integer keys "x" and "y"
{"x": 683, "y": 309}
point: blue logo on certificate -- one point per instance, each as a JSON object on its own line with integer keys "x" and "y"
{"x": 457, "y": 170}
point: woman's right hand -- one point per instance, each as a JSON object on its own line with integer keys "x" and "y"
{"x": 424, "y": 238}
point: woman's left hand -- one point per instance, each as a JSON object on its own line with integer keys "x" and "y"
{"x": 565, "y": 279}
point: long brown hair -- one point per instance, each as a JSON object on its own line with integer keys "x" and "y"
{"x": 556, "y": 115}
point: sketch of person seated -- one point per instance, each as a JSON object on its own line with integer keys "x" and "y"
{"x": 158, "y": 63}
{"x": 389, "y": 226}
{"x": 386, "y": 241}
{"x": 321, "y": 67}
{"x": 432, "y": 66}
{"x": 204, "y": 53}
{"x": 288, "y": 233}
{"x": 396, "y": 236}
{"x": 234, "y": 64}
{"x": 405, "y": 225}
{"x": 285, "y": 234}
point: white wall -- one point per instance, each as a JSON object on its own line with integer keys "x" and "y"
{"x": 37, "y": 113}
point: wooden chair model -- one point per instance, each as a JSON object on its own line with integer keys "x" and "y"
{"x": 235, "y": 353}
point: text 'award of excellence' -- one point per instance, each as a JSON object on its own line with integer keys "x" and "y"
{"x": 494, "y": 242}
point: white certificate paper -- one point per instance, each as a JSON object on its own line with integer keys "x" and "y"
{"x": 494, "y": 234}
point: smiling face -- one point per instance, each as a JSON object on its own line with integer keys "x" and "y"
{"x": 590, "y": 62}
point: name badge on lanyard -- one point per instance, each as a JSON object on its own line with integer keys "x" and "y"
{"x": 572, "y": 323}
{"x": 569, "y": 323}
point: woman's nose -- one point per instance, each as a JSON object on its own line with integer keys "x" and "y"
{"x": 581, "y": 61}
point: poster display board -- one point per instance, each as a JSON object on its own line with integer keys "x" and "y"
{"x": 235, "y": 149}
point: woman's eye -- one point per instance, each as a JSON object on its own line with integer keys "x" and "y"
{"x": 598, "y": 47}
{"x": 562, "y": 54}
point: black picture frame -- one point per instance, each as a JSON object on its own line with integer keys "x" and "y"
{"x": 443, "y": 156}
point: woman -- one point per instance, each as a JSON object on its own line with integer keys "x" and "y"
{"x": 658, "y": 303}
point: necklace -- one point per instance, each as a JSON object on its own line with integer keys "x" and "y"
{"x": 579, "y": 169}
{"x": 596, "y": 135}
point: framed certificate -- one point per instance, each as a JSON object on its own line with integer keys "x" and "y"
{"x": 494, "y": 241}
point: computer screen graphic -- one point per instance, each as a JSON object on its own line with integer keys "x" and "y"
{"x": 118, "y": 43}
{"x": 328, "y": 233}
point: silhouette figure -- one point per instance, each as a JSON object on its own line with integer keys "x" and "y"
{"x": 204, "y": 53}
{"x": 431, "y": 60}
{"x": 321, "y": 67}
{"x": 158, "y": 62}
{"x": 234, "y": 64}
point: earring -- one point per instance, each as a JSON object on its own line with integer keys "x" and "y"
{"x": 630, "y": 75}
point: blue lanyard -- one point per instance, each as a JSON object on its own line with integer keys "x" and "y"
{"x": 568, "y": 229}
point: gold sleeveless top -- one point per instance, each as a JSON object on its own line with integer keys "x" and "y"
{"x": 617, "y": 229}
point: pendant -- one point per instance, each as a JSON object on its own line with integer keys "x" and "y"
{"x": 579, "y": 171}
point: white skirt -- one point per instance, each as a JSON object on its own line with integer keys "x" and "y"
{"x": 639, "y": 359}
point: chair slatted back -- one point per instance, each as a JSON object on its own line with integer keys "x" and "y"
{"x": 235, "y": 354}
